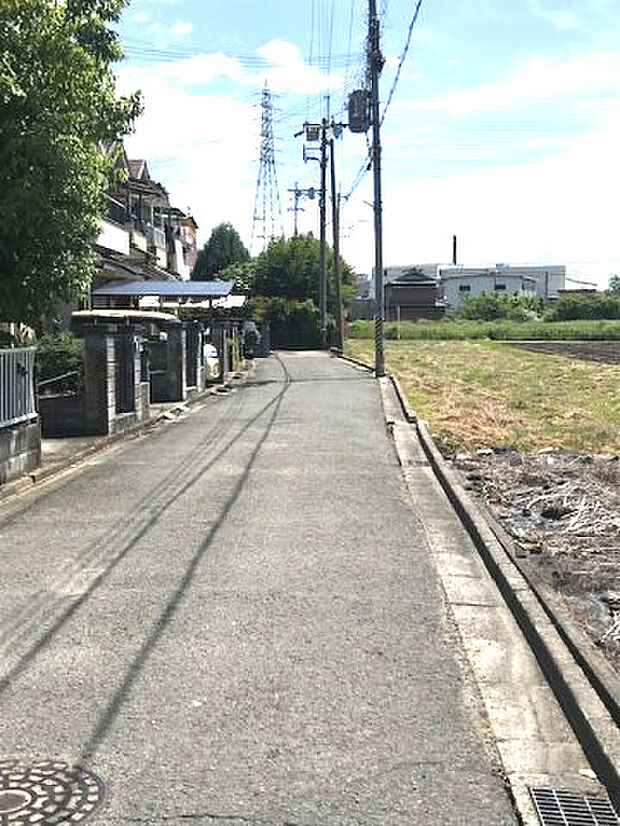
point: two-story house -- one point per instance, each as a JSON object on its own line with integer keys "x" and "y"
{"x": 143, "y": 237}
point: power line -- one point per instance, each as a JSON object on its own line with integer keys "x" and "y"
{"x": 143, "y": 50}
{"x": 348, "y": 66}
{"x": 402, "y": 59}
{"x": 366, "y": 164}
{"x": 360, "y": 175}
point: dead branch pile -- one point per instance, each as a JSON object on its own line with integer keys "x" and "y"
{"x": 563, "y": 512}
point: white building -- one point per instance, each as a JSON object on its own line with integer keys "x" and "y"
{"x": 459, "y": 282}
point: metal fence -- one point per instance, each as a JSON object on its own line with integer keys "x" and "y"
{"x": 17, "y": 399}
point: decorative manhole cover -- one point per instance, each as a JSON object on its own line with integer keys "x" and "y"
{"x": 46, "y": 793}
{"x": 561, "y": 808}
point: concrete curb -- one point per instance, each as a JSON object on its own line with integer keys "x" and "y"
{"x": 407, "y": 411}
{"x": 350, "y": 360}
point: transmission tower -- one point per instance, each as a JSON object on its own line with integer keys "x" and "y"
{"x": 267, "y": 196}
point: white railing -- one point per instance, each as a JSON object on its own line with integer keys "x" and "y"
{"x": 17, "y": 401}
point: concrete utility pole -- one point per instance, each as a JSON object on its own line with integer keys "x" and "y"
{"x": 336, "y": 246}
{"x": 317, "y": 132}
{"x": 298, "y": 194}
{"x": 323, "y": 241}
{"x": 375, "y": 65}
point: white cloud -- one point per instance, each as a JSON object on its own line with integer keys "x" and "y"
{"x": 182, "y": 28}
{"x": 201, "y": 69}
{"x": 197, "y": 145}
{"x": 203, "y": 147}
{"x": 562, "y": 18}
{"x": 540, "y": 80}
{"x": 289, "y": 72}
{"x": 285, "y": 70}
{"x": 560, "y": 210}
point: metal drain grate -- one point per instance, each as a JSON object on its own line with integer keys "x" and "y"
{"x": 560, "y": 808}
{"x": 46, "y": 793}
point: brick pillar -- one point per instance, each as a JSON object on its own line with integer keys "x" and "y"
{"x": 202, "y": 373}
{"x": 175, "y": 363}
{"x": 193, "y": 353}
{"x": 99, "y": 379}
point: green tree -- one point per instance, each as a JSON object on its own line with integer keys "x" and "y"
{"x": 613, "y": 286}
{"x": 289, "y": 268}
{"x": 223, "y": 248}
{"x": 286, "y": 285}
{"x": 59, "y": 116}
{"x": 241, "y": 273}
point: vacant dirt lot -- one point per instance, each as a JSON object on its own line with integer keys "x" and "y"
{"x": 563, "y": 512}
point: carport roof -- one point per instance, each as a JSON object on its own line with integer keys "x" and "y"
{"x": 168, "y": 289}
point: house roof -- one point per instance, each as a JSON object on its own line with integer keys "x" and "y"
{"x": 472, "y": 276}
{"x": 138, "y": 169}
{"x": 148, "y": 187}
{"x": 412, "y": 282}
{"x": 124, "y": 315}
{"x": 167, "y": 289}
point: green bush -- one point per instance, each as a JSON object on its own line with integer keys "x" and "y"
{"x": 501, "y": 330}
{"x": 495, "y": 305}
{"x": 576, "y": 306}
{"x": 292, "y": 323}
{"x": 60, "y": 354}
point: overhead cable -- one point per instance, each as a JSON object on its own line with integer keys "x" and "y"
{"x": 402, "y": 59}
{"x": 366, "y": 165}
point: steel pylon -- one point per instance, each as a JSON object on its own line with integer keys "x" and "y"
{"x": 267, "y": 220}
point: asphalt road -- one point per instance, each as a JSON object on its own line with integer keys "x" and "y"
{"x": 235, "y": 619}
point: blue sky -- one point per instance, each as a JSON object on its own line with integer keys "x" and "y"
{"x": 504, "y": 127}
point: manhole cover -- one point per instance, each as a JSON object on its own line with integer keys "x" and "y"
{"x": 560, "y": 808}
{"x": 46, "y": 793}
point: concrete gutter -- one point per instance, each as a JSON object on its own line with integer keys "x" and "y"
{"x": 592, "y": 722}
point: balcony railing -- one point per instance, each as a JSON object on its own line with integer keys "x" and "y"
{"x": 17, "y": 401}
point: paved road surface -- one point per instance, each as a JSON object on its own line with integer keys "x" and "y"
{"x": 236, "y": 620}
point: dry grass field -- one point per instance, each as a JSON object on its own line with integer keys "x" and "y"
{"x": 485, "y": 394}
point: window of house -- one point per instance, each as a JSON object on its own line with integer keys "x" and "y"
{"x": 464, "y": 288}
{"x": 500, "y": 287}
